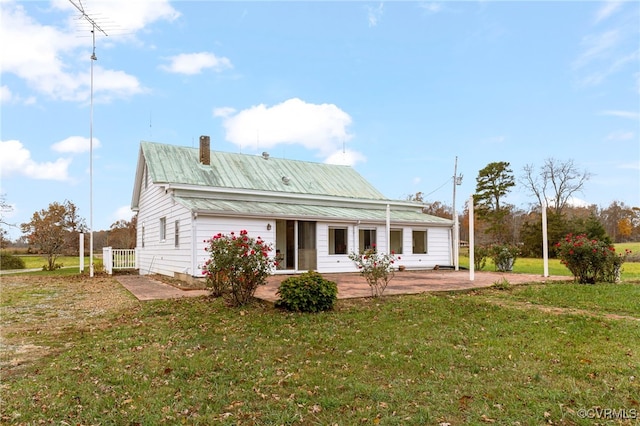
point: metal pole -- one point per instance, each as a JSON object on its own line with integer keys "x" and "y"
{"x": 93, "y": 58}
{"x": 456, "y": 243}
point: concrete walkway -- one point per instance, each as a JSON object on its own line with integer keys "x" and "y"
{"x": 146, "y": 288}
{"x": 350, "y": 285}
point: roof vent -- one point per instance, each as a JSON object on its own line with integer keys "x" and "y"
{"x": 265, "y": 155}
{"x": 286, "y": 180}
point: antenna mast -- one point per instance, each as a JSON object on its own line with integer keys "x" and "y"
{"x": 94, "y": 27}
{"x": 457, "y": 180}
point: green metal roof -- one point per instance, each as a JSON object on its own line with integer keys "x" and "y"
{"x": 301, "y": 211}
{"x": 180, "y": 165}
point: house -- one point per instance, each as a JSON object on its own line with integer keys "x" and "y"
{"x": 313, "y": 214}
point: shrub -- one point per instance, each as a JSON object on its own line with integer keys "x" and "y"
{"x": 308, "y": 292}
{"x": 480, "y": 255}
{"x": 376, "y": 268}
{"x": 590, "y": 260}
{"x": 237, "y": 266}
{"x": 503, "y": 284}
{"x": 9, "y": 261}
{"x": 504, "y": 256}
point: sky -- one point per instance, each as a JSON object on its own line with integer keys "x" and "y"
{"x": 397, "y": 90}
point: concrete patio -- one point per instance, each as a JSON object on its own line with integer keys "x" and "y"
{"x": 350, "y": 285}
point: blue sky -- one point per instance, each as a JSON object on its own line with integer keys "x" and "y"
{"x": 395, "y": 89}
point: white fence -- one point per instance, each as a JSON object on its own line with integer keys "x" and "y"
{"x": 118, "y": 259}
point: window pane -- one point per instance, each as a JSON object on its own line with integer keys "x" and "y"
{"x": 163, "y": 228}
{"x": 396, "y": 241}
{"x": 337, "y": 240}
{"x": 419, "y": 242}
{"x": 176, "y": 241}
{"x": 367, "y": 239}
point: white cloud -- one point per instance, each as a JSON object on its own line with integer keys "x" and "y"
{"x": 577, "y": 202}
{"x": 318, "y": 127}
{"x": 223, "y": 112}
{"x": 431, "y": 7}
{"x": 596, "y": 47}
{"x": 5, "y": 94}
{"x": 600, "y": 75}
{"x": 622, "y": 114}
{"x": 47, "y": 57}
{"x": 128, "y": 15}
{"x": 75, "y": 145}
{"x": 195, "y": 63}
{"x": 15, "y": 159}
{"x": 374, "y": 14}
{"x": 620, "y": 136}
{"x": 346, "y": 158}
{"x": 122, "y": 213}
{"x": 608, "y": 9}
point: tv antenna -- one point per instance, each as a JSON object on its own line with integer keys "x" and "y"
{"x": 94, "y": 27}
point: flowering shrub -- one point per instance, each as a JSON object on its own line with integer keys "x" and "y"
{"x": 590, "y": 261}
{"x": 237, "y": 266}
{"x": 376, "y": 268}
{"x": 504, "y": 256}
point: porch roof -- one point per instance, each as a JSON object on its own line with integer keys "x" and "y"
{"x": 266, "y": 209}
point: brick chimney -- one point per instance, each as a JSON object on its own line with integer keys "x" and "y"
{"x": 205, "y": 150}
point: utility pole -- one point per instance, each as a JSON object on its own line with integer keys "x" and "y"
{"x": 457, "y": 180}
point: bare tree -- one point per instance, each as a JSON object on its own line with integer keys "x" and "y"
{"x": 555, "y": 181}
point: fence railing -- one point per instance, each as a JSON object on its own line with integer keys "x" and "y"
{"x": 118, "y": 259}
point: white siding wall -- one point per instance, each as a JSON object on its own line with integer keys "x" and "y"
{"x": 334, "y": 262}
{"x": 438, "y": 252}
{"x": 208, "y": 226}
{"x": 162, "y": 257}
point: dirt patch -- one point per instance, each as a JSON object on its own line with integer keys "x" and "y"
{"x": 36, "y": 311}
{"x": 556, "y": 310}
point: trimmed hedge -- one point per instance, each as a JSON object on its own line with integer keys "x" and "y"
{"x": 308, "y": 292}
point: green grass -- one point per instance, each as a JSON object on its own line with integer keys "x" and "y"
{"x": 38, "y": 261}
{"x": 524, "y": 265}
{"x": 592, "y": 298}
{"x": 458, "y": 358}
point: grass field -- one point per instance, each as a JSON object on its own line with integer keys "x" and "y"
{"x": 531, "y": 355}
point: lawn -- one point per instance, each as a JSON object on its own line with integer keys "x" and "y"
{"x": 519, "y": 357}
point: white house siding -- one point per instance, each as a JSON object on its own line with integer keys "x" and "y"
{"x": 156, "y": 256}
{"x": 334, "y": 262}
{"x": 208, "y": 226}
{"x": 438, "y": 251}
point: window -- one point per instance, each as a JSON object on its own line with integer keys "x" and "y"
{"x": 419, "y": 242}
{"x": 142, "y": 237}
{"x": 337, "y": 240}
{"x": 176, "y": 238}
{"x": 395, "y": 236}
{"x": 367, "y": 239}
{"x": 163, "y": 228}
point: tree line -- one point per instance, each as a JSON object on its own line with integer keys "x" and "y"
{"x": 55, "y": 231}
{"x": 551, "y": 186}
